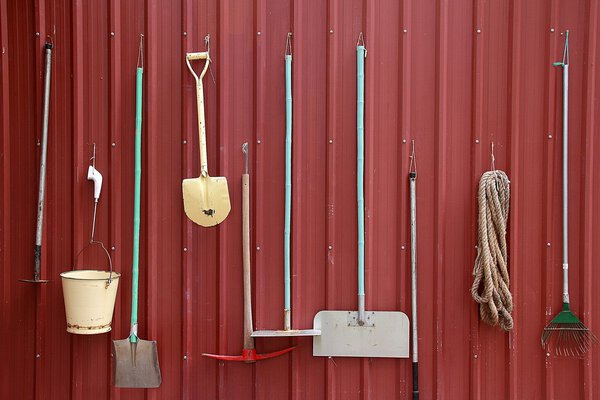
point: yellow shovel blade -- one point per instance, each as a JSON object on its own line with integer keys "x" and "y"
{"x": 206, "y": 200}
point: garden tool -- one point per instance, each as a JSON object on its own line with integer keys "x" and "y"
{"x": 206, "y": 198}
{"x": 287, "y": 307}
{"x": 362, "y": 333}
{"x": 37, "y": 251}
{"x": 135, "y": 361}
{"x": 412, "y": 179}
{"x": 571, "y": 336}
{"x": 249, "y": 354}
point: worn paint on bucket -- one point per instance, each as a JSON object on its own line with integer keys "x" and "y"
{"x": 89, "y": 301}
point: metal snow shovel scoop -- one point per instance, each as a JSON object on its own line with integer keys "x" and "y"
{"x": 42, "y": 184}
{"x": 206, "y": 198}
{"x": 362, "y": 333}
{"x": 287, "y": 306}
{"x": 135, "y": 361}
{"x": 249, "y": 354}
{"x": 572, "y": 337}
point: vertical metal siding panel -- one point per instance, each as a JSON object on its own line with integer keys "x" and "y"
{"x": 424, "y": 84}
{"x": 440, "y": 193}
{"x": 115, "y": 107}
{"x": 17, "y": 261}
{"x": 343, "y": 27}
{"x": 587, "y": 179}
{"x": 273, "y": 20}
{"x": 55, "y": 382}
{"x": 548, "y": 259}
{"x": 200, "y": 260}
{"x": 514, "y": 103}
{"x": 5, "y": 205}
{"x": 479, "y": 36}
{"x": 309, "y": 247}
{"x": 386, "y": 277}
{"x": 235, "y": 93}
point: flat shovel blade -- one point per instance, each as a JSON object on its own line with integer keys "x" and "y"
{"x": 135, "y": 366}
{"x": 384, "y": 334}
{"x": 206, "y": 200}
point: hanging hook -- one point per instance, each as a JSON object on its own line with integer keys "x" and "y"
{"x": 207, "y": 44}
{"x": 93, "y": 159}
{"x": 413, "y": 159}
{"x": 493, "y": 159}
{"x": 141, "y": 52}
{"x": 566, "y": 57}
{"x": 288, "y": 44}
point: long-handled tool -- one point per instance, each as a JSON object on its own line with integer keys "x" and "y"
{"x": 287, "y": 306}
{"x": 37, "y": 251}
{"x": 206, "y": 198}
{"x": 362, "y": 333}
{"x": 412, "y": 178}
{"x": 572, "y": 337}
{"x": 249, "y": 354}
{"x": 135, "y": 361}
{"x": 351, "y": 333}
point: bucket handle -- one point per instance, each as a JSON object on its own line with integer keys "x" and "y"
{"x": 109, "y": 280}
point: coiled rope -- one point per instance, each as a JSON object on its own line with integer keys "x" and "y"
{"x": 491, "y": 281}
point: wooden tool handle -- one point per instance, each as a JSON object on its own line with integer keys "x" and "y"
{"x": 248, "y": 328}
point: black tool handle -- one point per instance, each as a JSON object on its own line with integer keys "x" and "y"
{"x": 415, "y": 371}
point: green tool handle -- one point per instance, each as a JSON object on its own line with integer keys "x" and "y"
{"x": 135, "y": 269}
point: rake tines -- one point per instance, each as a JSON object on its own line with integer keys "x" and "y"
{"x": 571, "y": 336}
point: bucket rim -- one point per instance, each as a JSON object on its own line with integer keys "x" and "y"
{"x": 115, "y": 275}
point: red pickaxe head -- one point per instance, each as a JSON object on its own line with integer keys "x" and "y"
{"x": 250, "y": 355}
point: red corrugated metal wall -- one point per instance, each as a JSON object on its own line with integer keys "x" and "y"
{"x": 453, "y": 76}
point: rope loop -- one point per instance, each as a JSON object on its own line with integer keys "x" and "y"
{"x": 491, "y": 280}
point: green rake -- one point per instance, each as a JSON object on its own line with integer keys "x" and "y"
{"x": 571, "y": 337}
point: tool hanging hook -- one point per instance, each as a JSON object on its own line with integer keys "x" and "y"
{"x": 140, "y": 60}
{"x": 493, "y": 163}
{"x": 207, "y": 43}
{"x": 93, "y": 159}
{"x": 288, "y": 44}
{"x": 413, "y": 159}
{"x": 361, "y": 42}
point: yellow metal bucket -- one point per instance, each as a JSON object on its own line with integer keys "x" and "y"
{"x": 89, "y": 300}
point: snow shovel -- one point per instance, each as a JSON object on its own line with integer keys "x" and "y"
{"x": 135, "y": 361}
{"x": 206, "y": 198}
{"x": 42, "y": 183}
{"x": 362, "y": 333}
{"x": 287, "y": 306}
{"x": 249, "y": 354}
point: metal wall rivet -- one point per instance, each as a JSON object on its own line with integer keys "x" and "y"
{"x": 330, "y": 247}
{"x": 37, "y": 355}
{"x": 37, "y": 34}
{"x": 402, "y": 247}
{"x": 185, "y": 357}
{"x": 477, "y": 141}
{"x": 257, "y": 248}
{"x": 547, "y": 354}
{"x": 184, "y": 33}
{"x": 185, "y": 142}
{"x": 405, "y": 30}
{"x": 330, "y": 141}
{"x": 331, "y": 31}
{"x": 112, "y": 34}
{"x": 475, "y": 356}
{"x": 258, "y": 33}
{"x": 549, "y": 136}
{"x": 548, "y": 244}
{"x": 113, "y": 248}
{"x": 478, "y": 30}
{"x": 551, "y": 29}
{"x": 185, "y": 249}
{"x": 38, "y": 144}
{"x": 403, "y": 140}
{"x": 114, "y": 144}
{"x": 258, "y": 141}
